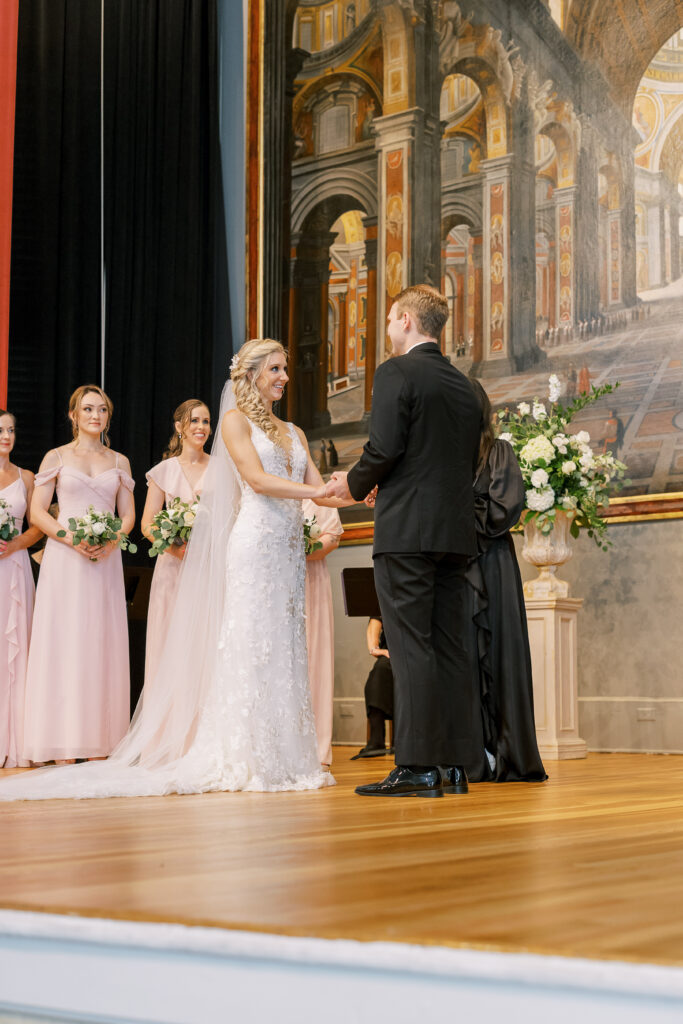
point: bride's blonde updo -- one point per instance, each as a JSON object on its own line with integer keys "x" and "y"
{"x": 245, "y": 369}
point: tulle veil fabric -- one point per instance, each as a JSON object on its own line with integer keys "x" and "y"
{"x": 156, "y": 756}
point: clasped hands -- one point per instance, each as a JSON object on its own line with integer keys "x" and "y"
{"x": 337, "y": 487}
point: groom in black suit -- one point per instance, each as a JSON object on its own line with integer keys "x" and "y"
{"x": 421, "y": 456}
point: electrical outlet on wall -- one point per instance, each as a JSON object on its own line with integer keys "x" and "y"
{"x": 346, "y": 710}
{"x": 646, "y": 714}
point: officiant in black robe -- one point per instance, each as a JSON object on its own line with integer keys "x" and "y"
{"x": 499, "y": 618}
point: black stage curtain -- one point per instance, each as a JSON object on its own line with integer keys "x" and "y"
{"x": 167, "y": 324}
{"x": 55, "y": 271}
{"x": 166, "y": 317}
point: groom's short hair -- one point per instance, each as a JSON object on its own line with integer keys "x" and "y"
{"x": 427, "y": 305}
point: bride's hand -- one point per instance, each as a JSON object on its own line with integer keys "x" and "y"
{"x": 371, "y": 498}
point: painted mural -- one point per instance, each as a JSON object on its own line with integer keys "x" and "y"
{"x": 538, "y": 184}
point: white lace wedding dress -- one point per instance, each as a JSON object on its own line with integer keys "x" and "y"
{"x": 252, "y": 728}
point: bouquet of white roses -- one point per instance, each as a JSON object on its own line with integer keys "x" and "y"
{"x": 561, "y": 471}
{"x": 173, "y": 525}
{"x": 311, "y": 533}
{"x": 8, "y": 526}
{"x": 98, "y": 528}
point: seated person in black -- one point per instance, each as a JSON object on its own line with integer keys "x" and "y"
{"x": 379, "y": 692}
{"x": 499, "y": 616}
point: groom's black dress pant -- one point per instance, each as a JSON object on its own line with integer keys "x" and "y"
{"x": 426, "y": 615}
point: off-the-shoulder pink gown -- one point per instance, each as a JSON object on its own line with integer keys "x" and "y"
{"x": 78, "y": 683}
{"x": 320, "y": 632}
{"x": 170, "y": 478}
{"x": 17, "y": 594}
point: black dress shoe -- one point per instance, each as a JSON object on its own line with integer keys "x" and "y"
{"x": 403, "y": 781}
{"x": 369, "y": 751}
{"x": 454, "y": 779}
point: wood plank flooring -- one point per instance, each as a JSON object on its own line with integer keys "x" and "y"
{"x": 588, "y": 864}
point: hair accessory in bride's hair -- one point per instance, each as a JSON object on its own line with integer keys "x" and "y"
{"x": 233, "y": 363}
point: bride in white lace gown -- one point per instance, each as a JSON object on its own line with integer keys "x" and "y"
{"x": 230, "y": 706}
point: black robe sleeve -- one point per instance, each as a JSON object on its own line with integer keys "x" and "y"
{"x": 499, "y": 506}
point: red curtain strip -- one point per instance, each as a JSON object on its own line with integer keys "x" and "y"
{"x": 9, "y": 20}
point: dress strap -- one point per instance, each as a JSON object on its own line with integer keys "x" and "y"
{"x": 59, "y": 456}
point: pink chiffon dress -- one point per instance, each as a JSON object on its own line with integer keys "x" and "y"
{"x": 320, "y": 632}
{"x": 170, "y": 478}
{"x": 78, "y": 683}
{"x": 17, "y": 594}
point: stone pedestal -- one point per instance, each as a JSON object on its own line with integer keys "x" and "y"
{"x": 553, "y": 638}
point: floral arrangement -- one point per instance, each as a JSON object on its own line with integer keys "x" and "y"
{"x": 98, "y": 528}
{"x": 311, "y": 534}
{"x": 561, "y": 471}
{"x": 8, "y": 526}
{"x": 173, "y": 525}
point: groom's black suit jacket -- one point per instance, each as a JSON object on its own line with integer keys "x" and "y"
{"x": 422, "y": 452}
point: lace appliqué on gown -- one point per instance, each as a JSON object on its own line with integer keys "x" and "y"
{"x": 261, "y": 729}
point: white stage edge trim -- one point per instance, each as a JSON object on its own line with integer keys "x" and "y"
{"x": 69, "y": 968}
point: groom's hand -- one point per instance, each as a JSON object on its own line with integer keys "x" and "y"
{"x": 337, "y": 487}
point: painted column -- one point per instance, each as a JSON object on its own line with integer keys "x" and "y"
{"x": 565, "y": 294}
{"x": 662, "y": 239}
{"x": 478, "y": 300}
{"x": 371, "y": 311}
{"x": 674, "y": 210}
{"x": 322, "y": 415}
{"x": 292, "y": 332}
{"x": 614, "y": 256}
{"x": 408, "y": 235}
{"x": 587, "y": 220}
{"x": 496, "y": 265}
{"x": 459, "y": 325}
{"x": 627, "y": 227}
{"x": 343, "y": 337}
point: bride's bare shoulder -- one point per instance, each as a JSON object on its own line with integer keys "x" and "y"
{"x": 233, "y": 419}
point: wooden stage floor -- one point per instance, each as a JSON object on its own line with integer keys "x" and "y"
{"x": 589, "y": 864}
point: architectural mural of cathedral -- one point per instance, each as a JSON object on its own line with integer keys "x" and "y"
{"x": 524, "y": 157}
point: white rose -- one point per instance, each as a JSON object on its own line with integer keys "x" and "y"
{"x": 587, "y": 461}
{"x": 555, "y": 388}
{"x": 314, "y": 531}
{"x": 539, "y": 411}
{"x": 537, "y": 448}
{"x": 539, "y": 478}
{"x": 188, "y": 518}
{"x": 505, "y": 436}
{"x": 541, "y": 500}
{"x": 560, "y": 442}
{"x": 98, "y": 529}
{"x": 568, "y": 467}
{"x": 523, "y": 408}
{"x": 583, "y": 481}
{"x": 583, "y": 437}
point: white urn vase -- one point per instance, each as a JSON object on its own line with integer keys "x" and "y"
{"x": 547, "y": 551}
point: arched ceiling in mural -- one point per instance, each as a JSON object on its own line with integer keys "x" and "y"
{"x": 622, "y": 37}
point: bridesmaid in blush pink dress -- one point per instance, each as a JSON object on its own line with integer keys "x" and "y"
{"x": 179, "y": 475}
{"x": 320, "y": 625}
{"x": 16, "y": 599}
{"x": 77, "y": 683}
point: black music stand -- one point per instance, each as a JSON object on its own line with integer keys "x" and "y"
{"x": 360, "y": 596}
